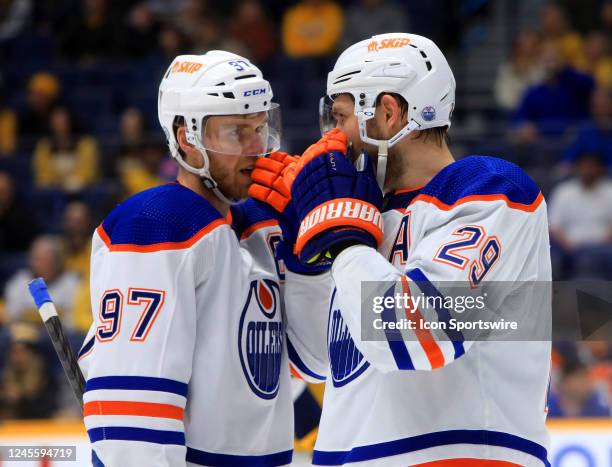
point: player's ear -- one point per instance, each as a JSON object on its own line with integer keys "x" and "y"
{"x": 181, "y": 138}
{"x": 391, "y": 111}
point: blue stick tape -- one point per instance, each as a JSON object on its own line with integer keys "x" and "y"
{"x": 39, "y": 292}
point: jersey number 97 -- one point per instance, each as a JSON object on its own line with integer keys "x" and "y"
{"x": 148, "y": 301}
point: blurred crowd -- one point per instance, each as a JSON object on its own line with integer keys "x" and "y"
{"x": 79, "y": 133}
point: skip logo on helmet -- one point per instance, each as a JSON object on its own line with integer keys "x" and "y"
{"x": 186, "y": 67}
{"x": 394, "y": 43}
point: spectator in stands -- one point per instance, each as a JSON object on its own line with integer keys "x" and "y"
{"x": 192, "y": 15}
{"x": 520, "y": 72}
{"x": 17, "y": 226}
{"x": 577, "y": 396}
{"x": 370, "y": 17}
{"x": 580, "y": 217}
{"x": 8, "y": 126}
{"x": 14, "y": 16}
{"x": 210, "y": 36}
{"x": 47, "y": 260}
{"x": 167, "y": 9}
{"x": 594, "y": 136}
{"x": 606, "y": 18}
{"x": 583, "y": 13}
{"x": 172, "y": 42}
{"x": 142, "y": 30}
{"x": 251, "y": 27}
{"x": 561, "y": 100}
{"x": 554, "y": 26}
{"x": 28, "y": 389}
{"x": 65, "y": 160}
{"x": 77, "y": 233}
{"x": 94, "y": 34}
{"x": 43, "y": 95}
{"x": 312, "y": 28}
{"x": 598, "y": 61}
{"x": 136, "y": 159}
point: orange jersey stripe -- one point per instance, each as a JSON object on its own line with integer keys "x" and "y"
{"x": 406, "y": 190}
{"x": 294, "y": 372}
{"x": 430, "y": 346}
{"x": 158, "y": 246}
{"x": 259, "y": 225}
{"x": 468, "y": 463}
{"x": 138, "y": 409}
{"x": 446, "y": 207}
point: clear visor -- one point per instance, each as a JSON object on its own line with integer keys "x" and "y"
{"x": 327, "y": 121}
{"x": 254, "y": 134}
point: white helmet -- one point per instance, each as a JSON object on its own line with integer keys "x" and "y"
{"x": 406, "y": 64}
{"x": 217, "y": 83}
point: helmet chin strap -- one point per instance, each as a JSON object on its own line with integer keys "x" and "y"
{"x": 381, "y": 166}
{"x": 383, "y": 145}
{"x": 204, "y": 171}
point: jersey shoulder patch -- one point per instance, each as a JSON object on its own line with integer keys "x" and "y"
{"x": 248, "y": 216}
{"x": 167, "y": 217}
{"x": 482, "y": 178}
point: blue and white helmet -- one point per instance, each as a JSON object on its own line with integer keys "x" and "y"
{"x": 216, "y": 83}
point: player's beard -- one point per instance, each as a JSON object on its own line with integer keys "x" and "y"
{"x": 233, "y": 183}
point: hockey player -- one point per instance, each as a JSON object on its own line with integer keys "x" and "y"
{"x": 186, "y": 361}
{"x": 427, "y": 398}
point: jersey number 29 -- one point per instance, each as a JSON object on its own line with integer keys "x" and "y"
{"x": 471, "y": 237}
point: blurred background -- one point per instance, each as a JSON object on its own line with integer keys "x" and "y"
{"x": 79, "y": 133}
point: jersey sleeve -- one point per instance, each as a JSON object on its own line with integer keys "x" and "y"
{"x": 139, "y": 352}
{"x": 467, "y": 242}
{"x": 306, "y": 300}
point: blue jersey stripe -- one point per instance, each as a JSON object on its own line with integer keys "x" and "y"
{"x": 394, "y": 337}
{"x": 195, "y": 456}
{"x": 443, "y": 314}
{"x": 137, "y": 383}
{"x": 87, "y": 347}
{"x": 95, "y": 460}
{"x": 297, "y": 361}
{"x": 431, "y": 440}
{"x": 122, "y": 433}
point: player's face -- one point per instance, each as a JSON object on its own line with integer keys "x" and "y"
{"x": 238, "y": 141}
{"x": 343, "y": 111}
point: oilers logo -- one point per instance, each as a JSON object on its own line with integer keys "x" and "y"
{"x": 428, "y": 113}
{"x": 345, "y": 360}
{"x": 260, "y": 338}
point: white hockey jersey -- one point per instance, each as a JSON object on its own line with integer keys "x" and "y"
{"x": 441, "y": 402}
{"x": 186, "y": 361}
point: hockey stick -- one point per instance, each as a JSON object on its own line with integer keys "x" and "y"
{"x": 48, "y": 313}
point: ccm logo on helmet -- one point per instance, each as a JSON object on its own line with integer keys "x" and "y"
{"x": 396, "y": 43}
{"x": 254, "y": 92}
{"x": 186, "y": 67}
